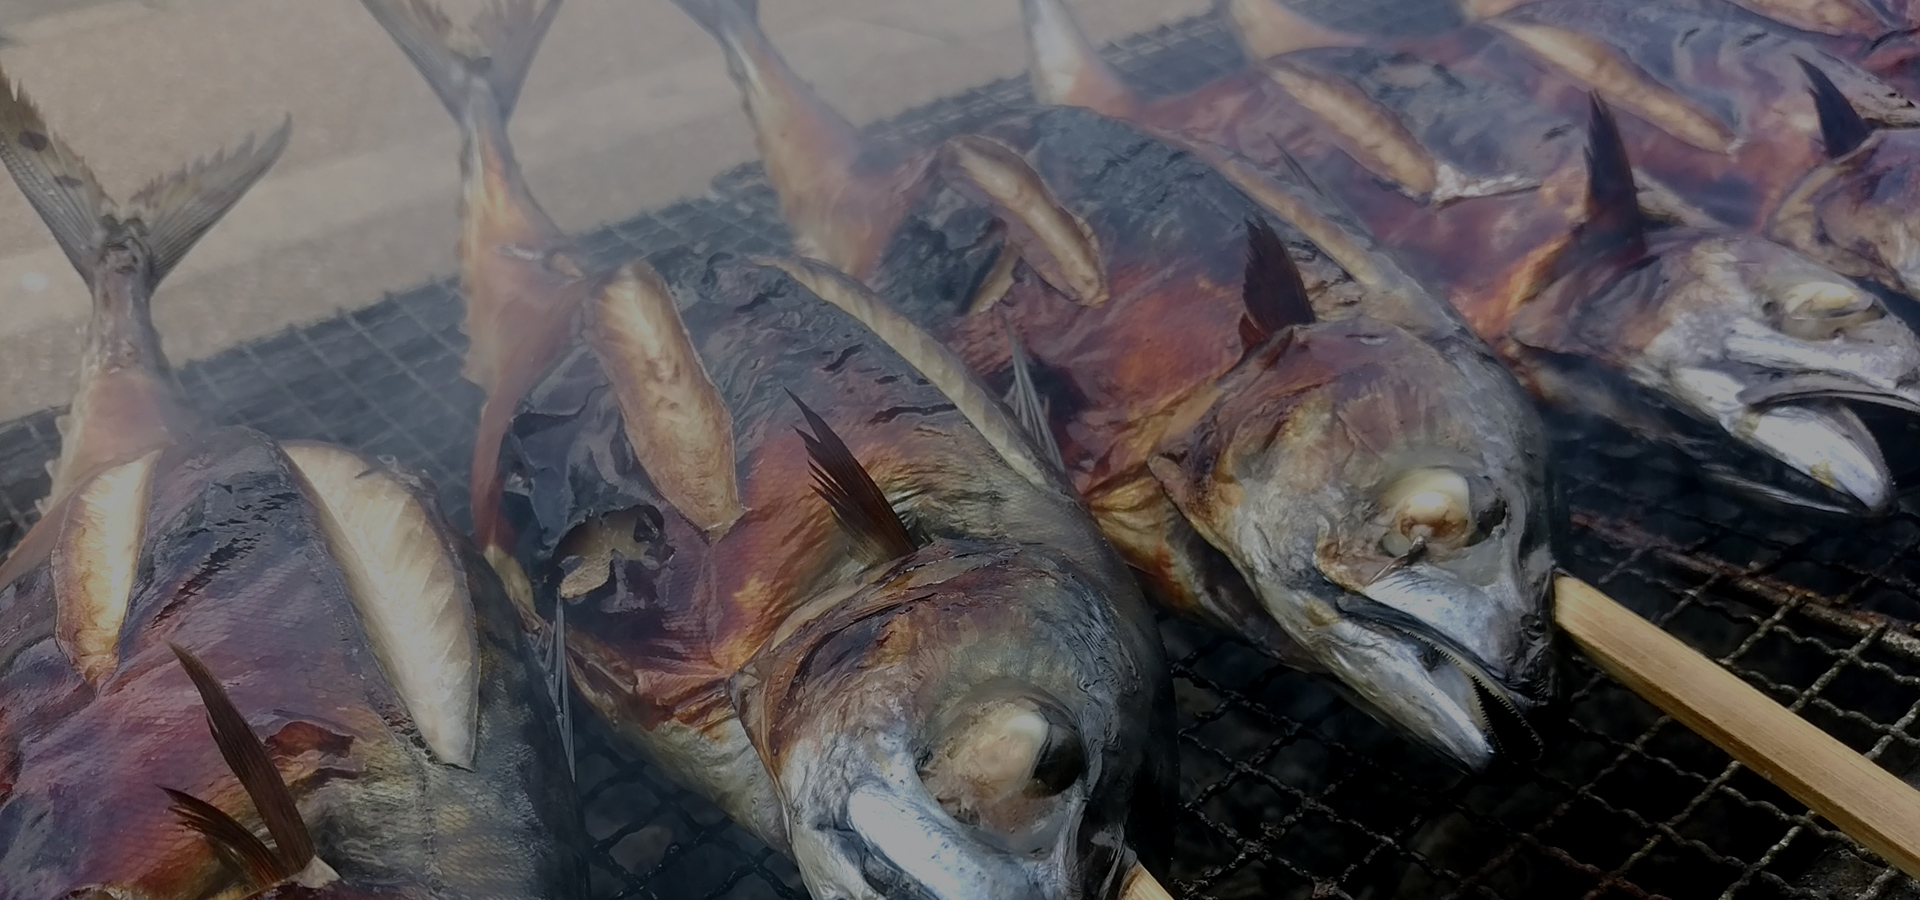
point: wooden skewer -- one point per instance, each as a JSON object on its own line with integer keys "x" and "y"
{"x": 1861, "y": 798}
{"x": 1141, "y": 886}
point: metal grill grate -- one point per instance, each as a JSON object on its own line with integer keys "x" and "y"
{"x": 1289, "y": 793}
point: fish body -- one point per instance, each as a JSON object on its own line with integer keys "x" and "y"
{"x": 337, "y": 630}
{"x": 1702, "y": 337}
{"x": 835, "y": 589}
{"x": 1185, "y": 387}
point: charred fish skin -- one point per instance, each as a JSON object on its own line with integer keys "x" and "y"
{"x": 677, "y": 636}
{"x": 413, "y": 753}
{"x": 1667, "y": 342}
{"x": 241, "y": 570}
{"x": 1287, "y": 459}
{"x": 1000, "y": 231}
{"x": 694, "y": 560}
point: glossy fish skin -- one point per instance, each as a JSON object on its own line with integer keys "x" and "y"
{"x": 1749, "y": 78}
{"x": 1128, "y": 296}
{"x": 833, "y": 700}
{"x": 1662, "y": 365}
{"x": 226, "y": 544}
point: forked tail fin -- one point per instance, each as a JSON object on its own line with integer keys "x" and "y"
{"x": 168, "y": 216}
{"x": 496, "y": 51}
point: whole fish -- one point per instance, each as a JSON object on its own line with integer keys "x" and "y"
{"x": 1325, "y": 463}
{"x": 1731, "y": 348}
{"x": 369, "y": 696}
{"x": 1882, "y": 36}
{"x": 1736, "y": 120}
{"x": 804, "y": 561}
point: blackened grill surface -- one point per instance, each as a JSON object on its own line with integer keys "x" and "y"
{"x": 1288, "y": 792}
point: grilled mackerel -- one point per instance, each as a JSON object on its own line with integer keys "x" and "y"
{"x": 371, "y": 703}
{"x": 1320, "y": 459}
{"x": 803, "y": 559}
{"x": 1735, "y": 350}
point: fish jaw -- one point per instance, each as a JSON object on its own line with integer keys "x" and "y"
{"x": 922, "y": 748}
{"x": 1396, "y": 536}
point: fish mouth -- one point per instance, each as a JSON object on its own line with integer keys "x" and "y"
{"x": 1801, "y": 446}
{"x": 1496, "y": 704}
{"x": 1812, "y": 386}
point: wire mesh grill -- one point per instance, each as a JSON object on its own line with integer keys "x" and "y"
{"x": 1288, "y": 792}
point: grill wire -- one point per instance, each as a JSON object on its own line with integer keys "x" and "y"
{"x": 1287, "y": 791}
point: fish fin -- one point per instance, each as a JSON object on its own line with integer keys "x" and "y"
{"x": 675, "y": 420}
{"x": 62, "y": 189}
{"x": 1269, "y": 28}
{"x": 180, "y": 208}
{"x": 247, "y": 757}
{"x": 1841, "y": 126}
{"x": 858, "y": 504}
{"x": 1056, "y": 242}
{"x": 1027, "y": 404}
{"x": 497, "y": 50}
{"x": 1065, "y": 68}
{"x": 840, "y": 208}
{"x": 1274, "y": 292}
{"x": 935, "y": 362}
{"x": 559, "y": 685}
{"x": 1370, "y": 132}
{"x": 239, "y": 848}
{"x": 1615, "y": 227}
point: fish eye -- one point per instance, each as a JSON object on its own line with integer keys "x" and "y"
{"x": 1061, "y": 762}
{"x": 1427, "y": 507}
{"x": 991, "y": 765}
{"x": 1821, "y": 310}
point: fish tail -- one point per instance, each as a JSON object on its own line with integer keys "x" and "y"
{"x": 720, "y": 17}
{"x": 173, "y": 211}
{"x": 59, "y": 184}
{"x": 1065, "y": 68}
{"x": 812, "y": 153}
{"x": 493, "y": 55}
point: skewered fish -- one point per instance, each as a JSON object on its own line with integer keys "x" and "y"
{"x": 403, "y": 748}
{"x": 1327, "y": 464}
{"x": 1727, "y": 346}
{"x": 923, "y": 673}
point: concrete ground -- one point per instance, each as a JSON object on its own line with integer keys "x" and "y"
{"x": 628, "y": 107}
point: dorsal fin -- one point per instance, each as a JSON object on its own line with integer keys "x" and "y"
{"x": 1841, "y": 126}
{"x": 247, "y": 757}
{"x": 934, "y": 361}
{"x": 1274, "y": 292}
{"x": 1027, "y": 404}
{"x": 875, "y": 527}
{"x": 1614, "y": 226}
{"x": 239, "y": 848}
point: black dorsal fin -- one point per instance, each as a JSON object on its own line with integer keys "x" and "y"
{"x": 1841, "y": 127}
{"x": 877, "y": 531}
{"x": 1274, "y": 293}
{"x": 1615, "y": 228}
{"x": 239, "y": 848}
{"x": 248, "y": 759}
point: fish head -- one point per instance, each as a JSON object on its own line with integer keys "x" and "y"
{"x": 1387, "y": 507}
{"x": 1855, "y": 212}
{"x": 973, "y": 722}
{"x": 1759, "y": 343}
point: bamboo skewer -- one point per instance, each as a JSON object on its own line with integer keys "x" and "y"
{"x": 1140, "y": 885}
{"x": 1861, "y": 798}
